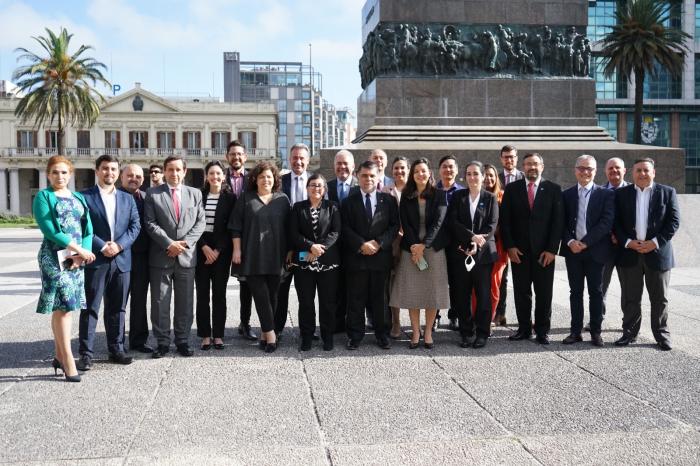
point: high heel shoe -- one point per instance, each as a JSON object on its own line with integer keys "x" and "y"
{"x": 56, "y": 366}
{"x": 271, "y": 347}
{"x": 73, "y": 378}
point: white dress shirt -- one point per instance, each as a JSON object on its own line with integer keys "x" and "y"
{"x": 473, "y": 203}
{"x": 641, "y": 218}
{"x": 109, "y": 199}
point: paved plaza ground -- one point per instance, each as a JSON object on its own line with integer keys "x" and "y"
{"x": 509, "y": 403}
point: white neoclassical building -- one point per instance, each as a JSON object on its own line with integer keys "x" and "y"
{"x": 138, "y": 127}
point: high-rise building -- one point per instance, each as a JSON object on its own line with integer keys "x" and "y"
{"x": 296, "y": 91}
{"x": 671, "y": 106}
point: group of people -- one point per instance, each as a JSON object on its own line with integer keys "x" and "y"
{"x": 368, "y": 244}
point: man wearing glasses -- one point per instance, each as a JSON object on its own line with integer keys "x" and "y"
{"x": 589, "y": 213}
{"x": 156, "y": 172}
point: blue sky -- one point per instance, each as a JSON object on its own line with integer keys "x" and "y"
{"x": 178, "y": 46}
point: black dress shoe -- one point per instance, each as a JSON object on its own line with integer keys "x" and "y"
{"x": 453, "y": 325}
{"x": 542, "y": 339}
{"x": 206, "y": 347}
{"x": 480, "y": 342}
{"x": 383, "y": 343}
{"x": 142, "y": 349}
{"x": 218, "y": 346}
{"x": 184, "y": 350}
{"x": 571, "y": 339}
{"x": 305, "y": 345}
{"x": 597, "y": 340}
{"x": 328, "y": 345}
{"x": 520, "y": 335}
{"x": 427, "y": 345}
{"x": 625, "y": 340}
{"x": 467, "y": 341}
{"x": 664, "y": 345}
{"x": 84, "y": 363}
{"x": 120, "y": 358}
{"x": 246, "y": 332}
{"x": 271, "y": 347}
{"x": 160, "y": 352}
{"x": 352, "y": 345}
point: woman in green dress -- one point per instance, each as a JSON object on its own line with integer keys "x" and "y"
{"x": 64, "y": 220}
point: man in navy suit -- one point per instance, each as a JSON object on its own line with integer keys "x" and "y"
{"x": 532, "y": 218}
{"x": 340, "y": 187}
{"x": 370, "y": 224}
{"x": 380, "y": 158}
{"x": 116, "y": 225}
{"x": 294, "y": 186}
{"x": 647, "y": 218}
{"x": 589, "y": 213}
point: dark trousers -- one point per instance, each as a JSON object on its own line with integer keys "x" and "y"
{"x": 326, "y": 283}
{"x": 165, "y": 282}
{"x": 478, "y": 280}
{"x": 211, "y": 323}
{"x": 366, "y": 290}
{"x": 579, "y": 268}
{"x": 503, "y": 290}
{"x": 607, "y": 276}
{"x": 527, "y": 275}
{"x": 282, "y": 307}
{"x": 264, "y": 289}
{"x": 454, "y": 284}
{"x": 138, "y": 315}
{"x": 632, "y": 280}
{"x": 246, "y": 299}
{"x": 341, "y": 304}
{"x": 104, "y": 281}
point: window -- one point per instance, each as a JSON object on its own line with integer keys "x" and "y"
{"x": 675, "y": 14}
{"x": 656, "y": 129}
{"x": 52, "y": 140}
{"x": 690, "y": 139}
{"x": 138, "y": 141}
{"x": 663, "y": 86}
{"x": 220, "y": 140}
{"x": 306, "y": 131}
{"x": 294, "y": 80}
{"x": 282, "y": 117}
{"x": 697, "y": 76}
{"x": 306, "y": 119}
{"x": 306, "y": 107}
{"x": 192, "y": 142}
{"x": 697, "y": 20}
{"x": 166, "y": 140}
{"x": 609, "y": 122}
{"x": 26, "y": 139}
{"x": 306, "y": 95}
{"x": 281, "y": 105}
{"x": 601, "y": 15}
{"x": 297, "y": 105}
{"x": 112, "y": 140}
{"x": 83, "y": 139}
{"x": 282, "y": 128}
{"x": 612, "y": 88}
{"x": 248, "y": 138}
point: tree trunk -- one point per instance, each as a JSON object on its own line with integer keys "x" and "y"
{"x": 61, "y": 148}
{"x": 638, "y": 104}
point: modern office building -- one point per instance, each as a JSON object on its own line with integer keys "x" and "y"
{"x": 671, "y": 106}
{"x": 296, "y": 90}
{"x": 138, "y": 127}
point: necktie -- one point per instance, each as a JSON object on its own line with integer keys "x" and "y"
{"x": 531, "y": 194}
{"x": 176, "y": 204}
{"x": 368, "y": 207}
{"x": 581, "y": 215}
{"x": 509, "y": 178}
{"x": 342, "y": 192}
{"x": 298, "y": 196}
{"x": 137, "y": 195}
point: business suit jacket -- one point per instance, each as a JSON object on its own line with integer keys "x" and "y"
{"x": 126, "y": 227}
{"x": 142, "y": 242}
{"x": 332, "y": 193}
{"x": 462, "y": 229}
{"x": 302, "y": 235}
{"x": 164, "y": 229}
{"x": 600, "y": 217}
{"x": 435, "y": 213}
{"x": 220, "y": 238}
{"x": 536, "y": 231}
{"x": 287, "y": 184}
{"x": 502, "y": 177}
{"x": 357, "y": 229}
{"x": 662, "y": 224}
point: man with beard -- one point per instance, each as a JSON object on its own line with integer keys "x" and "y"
{"x": 532, "y": 219}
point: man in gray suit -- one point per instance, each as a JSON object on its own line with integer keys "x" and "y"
{"x": 175, "y": 221}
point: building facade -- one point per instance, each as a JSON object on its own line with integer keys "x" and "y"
{"x": 671, "y": 106}
{"x": 296, "y": 91}
{"x": 138, "y": 127}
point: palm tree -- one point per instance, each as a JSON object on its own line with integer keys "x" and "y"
{"x": 59, "y": 86}
{"x": 637, "y": 42}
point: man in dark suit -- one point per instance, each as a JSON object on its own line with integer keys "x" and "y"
{"x": 115, "y": 224}
{"x": 510, "y": 173}
{"x": 131, "y": 181}
{"x": 294, "y": 186}
{"x": 370, "y": 224}
{"x": 235, "y": 178}
{"x": 344, "y": 182}
{"x": 647, "y": 218}
{"x": 380, "y": 158}
{"x": 589, "y": 213}
{"x": 532, "y": 219}
{"x": 174, "y": 220}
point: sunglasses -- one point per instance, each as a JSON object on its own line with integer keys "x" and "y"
{"x": 156, "y": 172}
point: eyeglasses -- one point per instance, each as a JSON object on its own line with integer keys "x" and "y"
{"x": 316, "y": 186}
{"x": 586, "y": 169}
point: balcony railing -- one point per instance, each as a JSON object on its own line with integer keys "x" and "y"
{"x": 130, "y": 154}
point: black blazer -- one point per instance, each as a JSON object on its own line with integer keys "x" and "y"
{"x": 302, "y": 235}
{"x": 332, "y": 192}
{"x": 435, "y": 212}
{"x": 663, "y": 222}
{"x": 357, "y": 230}
{"x": 536, "y": 231}
{"x": 600, "y": 216}
{"x": 220, "y": 238}
{"x": 142, "y": 242}
{"x": 462, "y": 229}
